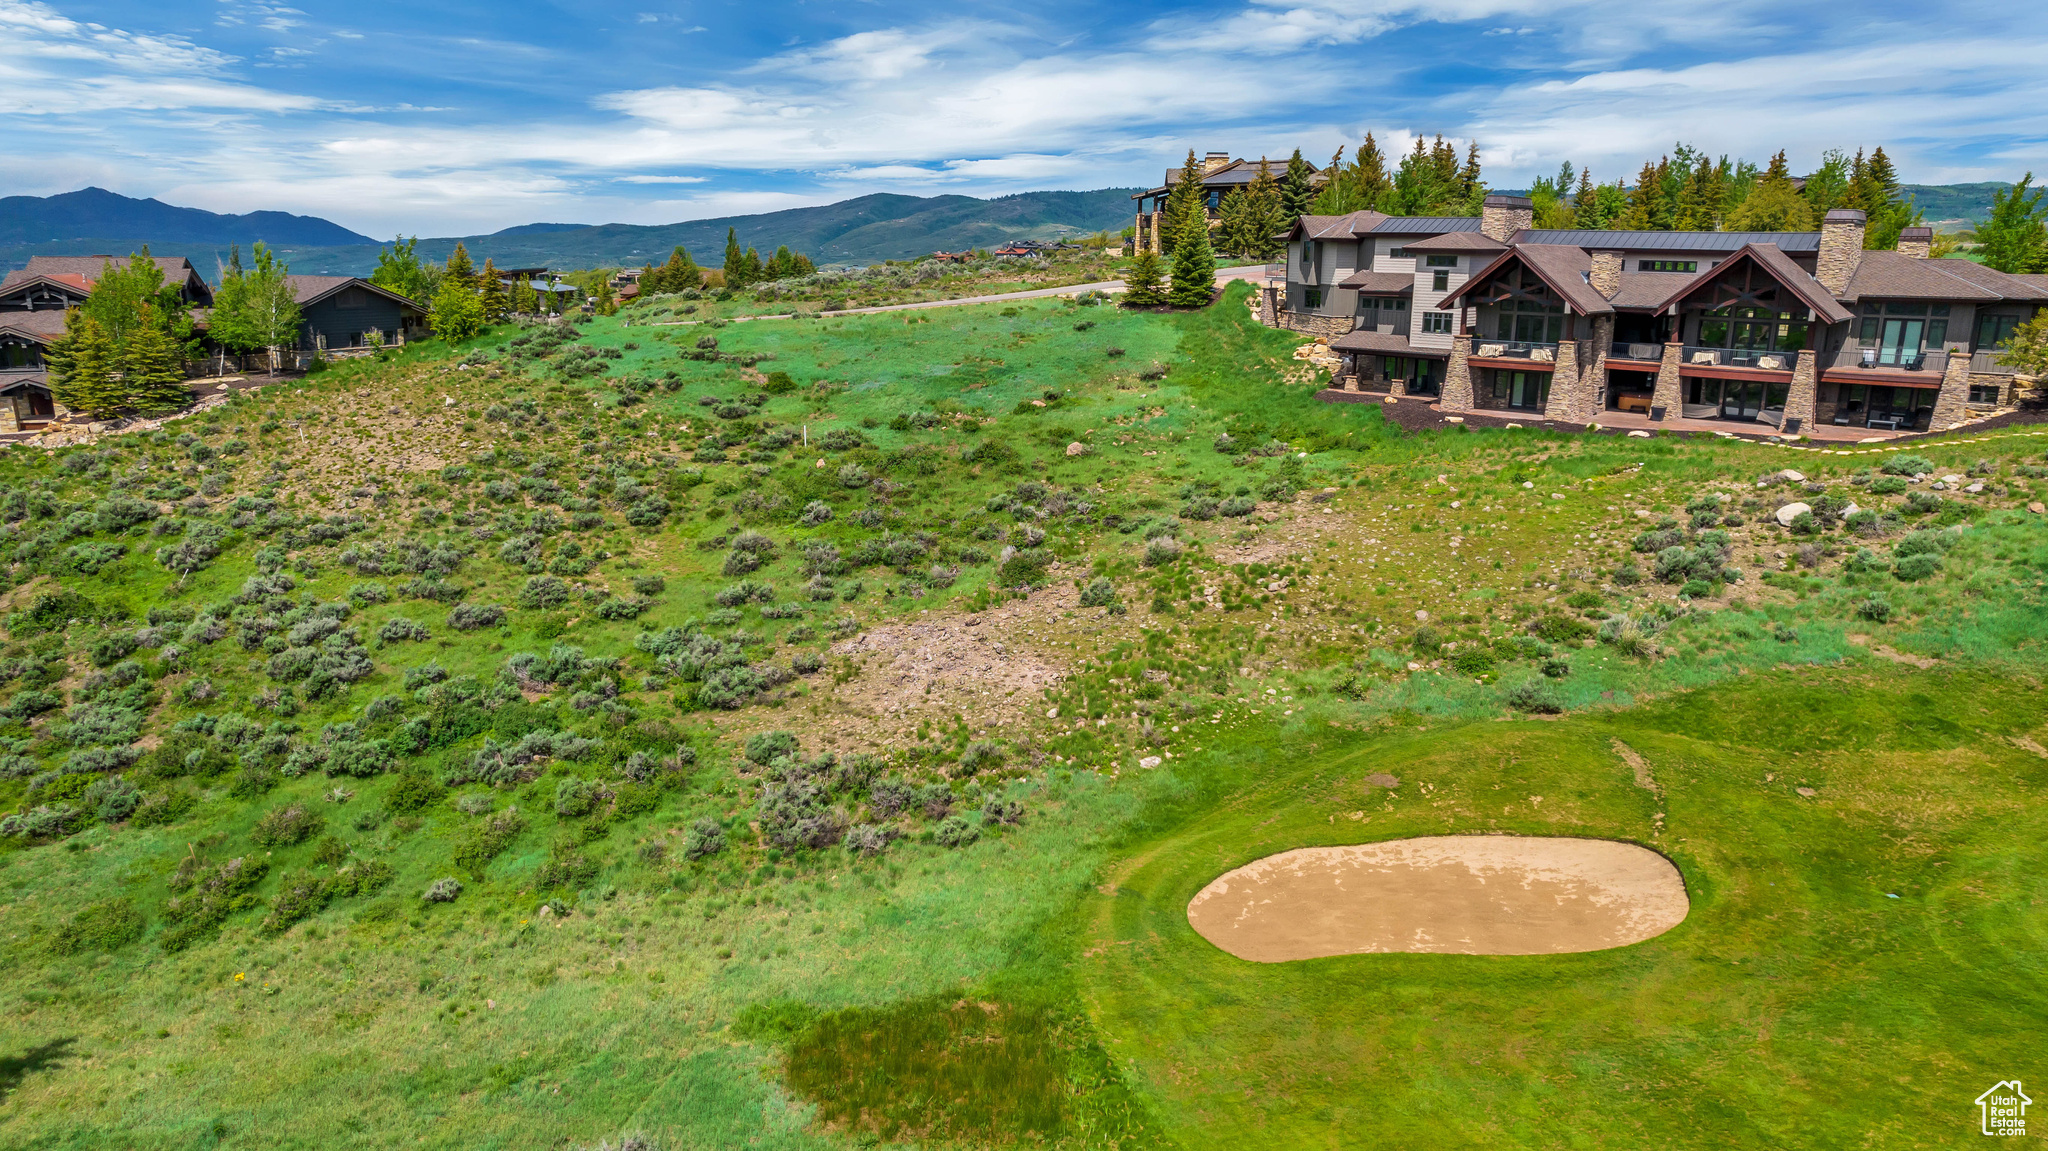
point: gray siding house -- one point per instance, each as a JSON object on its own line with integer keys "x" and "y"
{"x": 340, "y": 312}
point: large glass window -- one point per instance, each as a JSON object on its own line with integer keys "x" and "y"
{"x": 1889, "y": 326}
{"x": 1437, "y": 322}
{"x": 19, "y": 356}
{"x": 1531, "y": 322}
{"x": 1993, "y": 330}
{"x": 1522, "y": 389}
{"x": 1753, "y": 329}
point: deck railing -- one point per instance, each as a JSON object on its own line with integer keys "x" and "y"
{"x": 1535, "y": 351}
{"x": 1696, "y": 357}
{"x": 1634, "y": 350}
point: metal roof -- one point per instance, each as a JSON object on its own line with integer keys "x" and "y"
{"x": 1430, "y": 225}
{"x": 1617, "y": 241}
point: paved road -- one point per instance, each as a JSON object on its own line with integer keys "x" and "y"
{"x": 1256, "y": 273}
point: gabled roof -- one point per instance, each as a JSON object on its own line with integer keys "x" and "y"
{"x": 1779, "y": 267}
{"x": 1642, "y": 291}
{"x": 41, "y": 327}
{"x": 177, "y": 270}
{"x": 1346, "y": 227}
{"x": 308, "y": 290}
{"x": 1236, "y": 173}
{"x": 1611, "y": 240}
{"x": 1562, "y": 269}
{"x": 1462, "y": 243}
{"x": 69, "y": 283}
{"x": 1380, "y": 283}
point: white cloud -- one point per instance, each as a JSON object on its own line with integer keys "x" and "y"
{"x": 663, "y": 179}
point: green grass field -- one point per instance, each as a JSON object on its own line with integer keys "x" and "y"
{"x": 953, "y": 913}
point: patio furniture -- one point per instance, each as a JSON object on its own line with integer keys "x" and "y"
{"x": 1492, "y": 349}
{"x": 1627, "y": 403}
{"x": 1706, "y": 357}
{"x": 1889, "y": 423}
{"x": 1645, "y": 352}
{"x": 1770, "y": 363}
{"x": 1869, "y": 358}
{"x": 1544, "y": 355}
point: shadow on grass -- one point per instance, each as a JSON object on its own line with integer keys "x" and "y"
{"x": 14, "y": 1069}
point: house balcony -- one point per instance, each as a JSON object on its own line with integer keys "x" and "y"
{"x": 1636, "y": 352}
{"x": 1514, "y": 353}
{"x": 1693, "y": 359}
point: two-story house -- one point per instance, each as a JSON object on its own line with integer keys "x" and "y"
{"x": 1221, "y": 175}
{"x": 1787, "y": 329}
{"x": 33, "y": 301}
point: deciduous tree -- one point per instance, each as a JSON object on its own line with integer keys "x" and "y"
{"x": 2015, "y": 238}
{"x": 399, "y": 270}
{"x": 458, "y": 313}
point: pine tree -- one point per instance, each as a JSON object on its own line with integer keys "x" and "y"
{"x": 152, "y": 370}
{"x": 1889, "y": 212}
{"x": 525, "y": 301}
{"x": 1194, "y": 267}
{"x": 751, "y": 271}
{"x": 1186, "y": 199}
{"x": 1232, "y": 233}
{"x": 1337, "y": 197}
{"x": 1144, "y": 281}
{"x": 1265, "y": 218}
{"x": 1700, "y": 202}
{"x": 460, "y": 267}
{"x": 735, "y": 275}
{"x": 679, "y": 274}
{"x": 1586, "y": 203}
{"x": 1297, "y": 188}
{"x": 496, "y": 304}
{"x": 1827, "y": 184}
{"x": 1471, "y": 189}
{"x": 1369, "y": 176}
{"x": 83, "y": 365}
{"x": 1644, "y": 204}
{"x": 1772, "y": 205}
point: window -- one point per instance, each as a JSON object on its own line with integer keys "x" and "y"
{"x": 1754, "y": 329}
{"x": 1667, "y": 265}
{"x": 1986, "y": 393}
{"x": 1397, "y": 304}
{"x": 1531, "y": 322}
{"x": 1440, "y": 261}
{"x": 1438, "y": 322}
{"x": 1309, "y": 257}
{"x": 1994, "y": 330}
{"x": 1397, "y": 253}
{"x": 1312, "y": 298}
{"x": 19, "y": 356}
{"x": 1440, "y": 281}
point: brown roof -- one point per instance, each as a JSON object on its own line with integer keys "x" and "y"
{"x": 1781, "y": 268}
{"x": 2007, "y": 285}
{"x": 1889, "y": 275}
{"x": 1380, "y": 283}
{"x": 1644, "y": 290}
{"x": 176, "y": 269}
{"x": 1384, "y": 344}
{"x": 42, "y": 326}
{"x": 312, "y": 289}
{"x": 1562, "y": 267}
{"x": 1345, "y": 227}
{"x": 1458, "y": 242}
{"x": 2035, "y": 280}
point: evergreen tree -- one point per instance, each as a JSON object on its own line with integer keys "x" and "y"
{"x": 1232, "y": 233}
{"x": 750, "y": 268}
{"x": 457, "y": 314}
{"x": 1471, "y": 189}
{"x": 1586, "y": 203}
{"x": 152, "y": 369}
{"x": 1700, "y": 203}
{"x": 1888, "y": 210}
{"x": 496, "y": 303}
{"x": 1338, "y": 196}
{"x": 603, "y": 301}
{"x": 1185, "y": 200}
{"x": 460, "y": 267}
{"x": 1773, "y": 205}
{"x": 1827, "y": 184}
{"x": 2014, "y": 238}
{"x": 83, "y": 364}
{"x": 525, "y": 301}
{"x": 1645, "y": 203}
{"x": 1369, "y": 176}
{"x": 679, "y": 274}
{"x": 735, "y": 275}
{"x": 1194, "y": 267}
{"x": 1265, "y": 218}
{"x": 1297, "y": 188}
{"x": 1144, "y": 281}
{"x": 399, "y": 270}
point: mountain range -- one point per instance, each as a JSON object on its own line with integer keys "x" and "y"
{"x": 866, "y": 229}
{"x": 862, "y": 230}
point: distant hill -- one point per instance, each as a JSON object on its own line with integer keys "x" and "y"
{"x": 113, "y": 220}
{"x": 1959, "y": 205}
{"x": 863, "y": 230}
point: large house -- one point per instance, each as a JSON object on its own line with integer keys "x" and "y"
{"x": 339, "y": 312}
{"x": 33, "y": 301}
{"x": 1221, "y": 175}
{"x": 1790, "y": 329}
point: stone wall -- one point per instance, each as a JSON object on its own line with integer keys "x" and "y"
{"x": 1314, "y": 324}
{"x": 1457, "y": 393}
{"x": 1802, "y": 398}
{"x": 1605, "y": 277}
{"x": 1670, "y": 389}
{"x": 1952, "y": 405}
{"x": 1841, "y": 249}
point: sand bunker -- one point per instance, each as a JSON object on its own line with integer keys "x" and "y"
{"x": 1457, "y": 894}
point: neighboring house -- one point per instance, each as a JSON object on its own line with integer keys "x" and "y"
{"x": 1788, "y": 329}
{"x": 1220, "y": 176}
{"x": 338, "y": 312}
{"x": 33, "y": 301}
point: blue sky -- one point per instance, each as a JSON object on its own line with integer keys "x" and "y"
{"x": 466, "y": 117}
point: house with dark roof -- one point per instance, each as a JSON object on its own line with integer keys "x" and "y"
{"x": 1786, "y": 329}
{"x": 345, "y": 312}
{"x": 1220, "y": 176}
{"x": 33, "y": 301}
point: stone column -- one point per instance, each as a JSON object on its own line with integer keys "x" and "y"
{"x": 9, "y": 420}
{"x": 1564, "y": 384}
{"x": 1594, "y": 384}
{"x": 1457, "y": 392}
{"x": 1668, "y": 392}
{"x": 1952, "y": 405}
{"x": 1397, "y": 387}
{"x": 1801, "y": 401}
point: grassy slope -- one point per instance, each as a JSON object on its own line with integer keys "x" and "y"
{"x": 476, "y": 1024}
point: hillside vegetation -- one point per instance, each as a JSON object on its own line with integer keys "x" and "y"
{"x": 808, "y": 733}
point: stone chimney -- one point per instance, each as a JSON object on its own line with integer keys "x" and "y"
{"x": 1841, "y": 249}
{"x": 1500, "y": 217}
{"x": 1606, "y": 274}
{"x": 1916, "y": 242}
{"x": 1215, "y": 160}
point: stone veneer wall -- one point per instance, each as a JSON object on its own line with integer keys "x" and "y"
{"x": 1841, "y": 249}
{"x": 1314, "y": 324}
{"x": 1802, "y": 398}
{"x": 1669, "y": 390}
{"x": 1953, "y": 402}
{"x": 1564, "y": 384}
{"x": 1457, "y": 391}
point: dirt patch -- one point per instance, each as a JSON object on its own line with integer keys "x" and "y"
{"x": 1458, "y": 895}
{"x": 1883, "y": 651}
{"x": 1644, "y": 778}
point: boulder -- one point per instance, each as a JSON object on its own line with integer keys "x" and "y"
{"x": 2037, "y": 507}
{"x": 1974, "y": 488}
{"x": 1792, "y": 477}
{"x": 1791, "y": 512}
{"x": 1077, "y": 449}
{"x": 1639, "y": 434}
